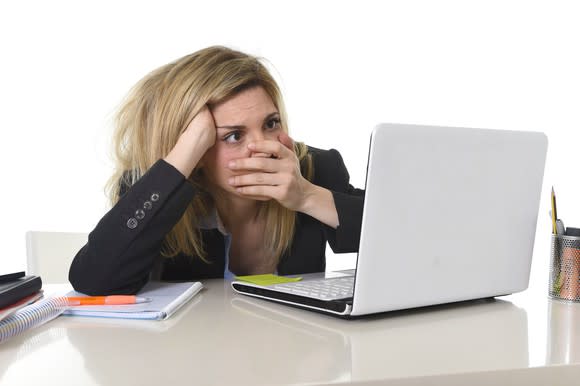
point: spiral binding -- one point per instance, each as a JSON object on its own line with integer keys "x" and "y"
{"x": 32, "y": 316}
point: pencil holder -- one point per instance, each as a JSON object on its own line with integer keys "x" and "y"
{"x": 565, "y": 268}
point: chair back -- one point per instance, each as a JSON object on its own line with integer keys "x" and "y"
{"x": 49, "y": 254}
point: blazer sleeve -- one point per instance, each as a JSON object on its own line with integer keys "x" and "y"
{"x": 330, "y": 172}
{"x": 121, "y": 250}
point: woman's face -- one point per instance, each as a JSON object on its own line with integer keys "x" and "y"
{"x": 247, "y": 117}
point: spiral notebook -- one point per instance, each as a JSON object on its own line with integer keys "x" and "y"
{"x": 31, "y": 316}
{"x": 166, "y": 297}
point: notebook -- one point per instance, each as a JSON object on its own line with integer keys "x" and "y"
{"x": 449, "y": 215}
{"x": 166, "y": 297}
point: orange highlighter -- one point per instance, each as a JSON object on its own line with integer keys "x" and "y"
{"x": 105, "y": 300}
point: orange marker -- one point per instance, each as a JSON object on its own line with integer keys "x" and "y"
{"x": 105, "y": 300}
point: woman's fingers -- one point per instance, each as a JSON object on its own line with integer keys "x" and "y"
{"x": 279, "y": 186}
{"x": 286, "y": 141}
{"x": 275, "y": 148}
{"x": 259, "y": 163}
{"x": 268, "y": 179}
{"x": 259, "y": 192}
{"x": 272, "y": 173}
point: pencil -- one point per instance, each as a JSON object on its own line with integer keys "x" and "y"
{"x": 554, "y": 214}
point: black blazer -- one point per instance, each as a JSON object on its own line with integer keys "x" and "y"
{"x": 125, "y": 246}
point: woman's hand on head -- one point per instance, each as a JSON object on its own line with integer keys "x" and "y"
{"x": 198, "y": 137}
{"x": 201, "y": 130}
{"x": 272, "y": 172}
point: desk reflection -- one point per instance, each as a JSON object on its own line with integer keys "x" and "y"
{"x": 563, "y": 332}
{"x": 227, "y": 338}
{"x": 26, "y": 346}
{"x": 471, "y": 336}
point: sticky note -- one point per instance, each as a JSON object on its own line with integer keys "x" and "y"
{"x": 267, "y": 279}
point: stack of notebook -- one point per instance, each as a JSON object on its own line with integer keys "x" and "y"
{"x": 20, "y": 310}
{"x": 17, "y": 291}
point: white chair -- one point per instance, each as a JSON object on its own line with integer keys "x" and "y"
{"x": 49, "y": 254}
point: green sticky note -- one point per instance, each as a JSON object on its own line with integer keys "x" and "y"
{"x": 267, "y": 279}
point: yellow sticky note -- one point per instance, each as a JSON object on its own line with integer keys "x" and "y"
{"x": 267, "y": 279}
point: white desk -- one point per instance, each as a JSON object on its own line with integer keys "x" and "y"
{"x": 223, "y": 339}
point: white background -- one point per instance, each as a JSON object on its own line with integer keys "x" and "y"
{"x": 65, "y": 66}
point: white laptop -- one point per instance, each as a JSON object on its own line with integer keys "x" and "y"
{"x": 449, "y": 215}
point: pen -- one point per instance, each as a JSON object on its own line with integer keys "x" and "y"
{"x": 105, "y": 300}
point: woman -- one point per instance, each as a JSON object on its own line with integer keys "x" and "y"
{"x": 209, "y": 184}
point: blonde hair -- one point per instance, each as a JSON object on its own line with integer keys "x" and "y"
{"x": 157, "y": 111}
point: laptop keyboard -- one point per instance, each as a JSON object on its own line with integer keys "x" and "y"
{"x": 323, "y": 289}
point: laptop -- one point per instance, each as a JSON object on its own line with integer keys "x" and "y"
{"x": 449, "y": 215}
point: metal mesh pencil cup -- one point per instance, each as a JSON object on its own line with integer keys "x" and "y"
{"x": 565, "y": 268}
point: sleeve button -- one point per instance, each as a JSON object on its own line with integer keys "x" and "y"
{"x": 139, "y": 214}
{"x": 155, "y": 197}
{"x": 132, "y": 223}
{"x": 147, "y": 205}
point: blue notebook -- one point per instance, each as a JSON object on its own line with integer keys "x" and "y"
{"x": 166, "y": 297}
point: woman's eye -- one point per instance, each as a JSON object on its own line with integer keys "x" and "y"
{"x": 233, "y": 137}
{"x": 273, "y": 124}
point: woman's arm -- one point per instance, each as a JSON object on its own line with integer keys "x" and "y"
{"x": 319, "y": 203}
{"x": 331, "y": 173}
{"x": 197, "y": 138}
{"x": 120, "y": 251}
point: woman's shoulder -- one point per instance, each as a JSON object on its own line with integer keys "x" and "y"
{"x": 318, "y": 151}
{"x": 329, "y": 168}
{"x": 325, "y": 158}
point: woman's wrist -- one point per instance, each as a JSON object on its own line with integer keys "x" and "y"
{"x": 185, "y": 156}
{"x": 319, "y": 203}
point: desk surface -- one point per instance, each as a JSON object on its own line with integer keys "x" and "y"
{"x": 223, "y": 338}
